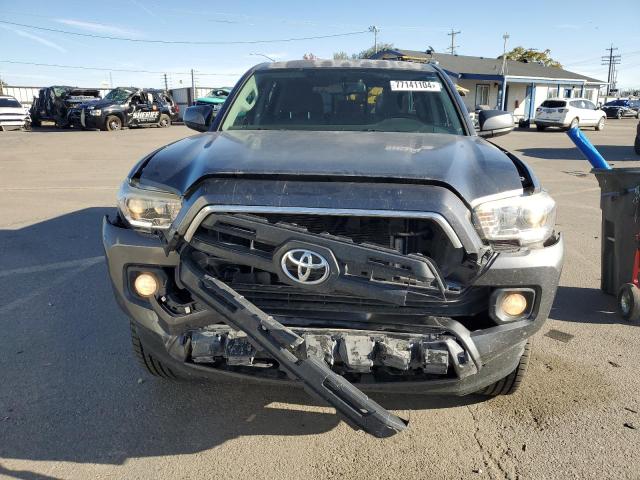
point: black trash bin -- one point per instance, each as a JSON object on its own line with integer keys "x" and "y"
{"x": 620, "y": 205}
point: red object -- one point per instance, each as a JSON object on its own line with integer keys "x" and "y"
{"x": 635, "y": 279}
{"x": 177, "y": 107}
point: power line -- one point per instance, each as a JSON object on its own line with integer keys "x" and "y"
{"x": 183, "y": 42}
{"x": 611, "y": 60}
{"x": 453, "y": 46}
{"x": 105, "y": 69}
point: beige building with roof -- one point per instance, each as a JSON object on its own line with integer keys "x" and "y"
{"x": 517, "y": 87}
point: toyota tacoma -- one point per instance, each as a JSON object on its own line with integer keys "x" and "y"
{"x": 342, "y": 226}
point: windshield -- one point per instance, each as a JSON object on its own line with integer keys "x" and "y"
{"x": 554, "y": 104}
{"x": 353, "y": 99}
{"x": 9, "y": 102}
{"x": 118, "y": 95}
{"x": 617, "y": 103}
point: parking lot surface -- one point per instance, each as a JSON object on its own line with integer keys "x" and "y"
{"x": 75, "y": 405}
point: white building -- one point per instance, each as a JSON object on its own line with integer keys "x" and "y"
{"x": 527, "y": 85}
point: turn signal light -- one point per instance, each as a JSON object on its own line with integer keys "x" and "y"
{"x": 146, "y": 284}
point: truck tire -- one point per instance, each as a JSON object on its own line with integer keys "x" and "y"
{"x": 629, "y": 302}
{"x": 113, "y": 123}
{"x": 164, "y": 121}
{"x": 36, "y": 123}
{"x": 511, "y": 383}
{"x": 540, "y": 128}
{"x": 151, "y": 364}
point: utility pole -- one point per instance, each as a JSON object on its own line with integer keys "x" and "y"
{"x": 166, "y": 84}
{"x": 373, "y": 29}
{"x": 193, "y": 87}
{"x": 611, "y": 61}
{"x": 505, "y": 37}
{"x": 452, "y": 34}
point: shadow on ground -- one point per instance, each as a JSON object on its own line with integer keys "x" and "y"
{"x": 71, "y": 390}
{"x": 612, "y": 153}
{"x": 585, "y": 305}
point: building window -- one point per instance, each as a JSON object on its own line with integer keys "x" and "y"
{"x": 482, "y": 95}
{"x": 552, "y": 92}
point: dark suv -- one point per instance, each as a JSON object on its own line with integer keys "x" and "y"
{"x": 59, "y": 103}
{"x": 622, "y": 108}
{"x": 127, "y": 107}
{"x": 343, "y": 226}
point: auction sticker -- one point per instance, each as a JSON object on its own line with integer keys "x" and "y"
{"x": 415, "y": 86}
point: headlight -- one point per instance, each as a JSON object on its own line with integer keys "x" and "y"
{"x": 526, "y": 219}
{"x": 148, "y": 209}
{"x": 95, "y": 113}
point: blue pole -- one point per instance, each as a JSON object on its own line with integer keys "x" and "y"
{"x": 587, "y": 149}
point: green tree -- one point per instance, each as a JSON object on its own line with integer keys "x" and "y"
{"x": 342, "y": 55}
{"x": 530, "y": 55}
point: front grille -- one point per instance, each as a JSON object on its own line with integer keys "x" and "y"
{"x": 378, "y": 231}
{"x": 286, "y": 299}
{"x": 223, "y": 241}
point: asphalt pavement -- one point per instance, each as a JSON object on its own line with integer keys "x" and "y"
{"x": 75, "y": 405}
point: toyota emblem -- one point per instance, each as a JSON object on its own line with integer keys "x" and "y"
{"x": 305, "y": 266}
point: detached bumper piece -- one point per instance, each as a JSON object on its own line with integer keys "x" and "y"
{"x": 283, "y": 345}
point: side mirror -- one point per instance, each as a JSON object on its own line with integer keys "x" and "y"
{"x": 494, "y": 123}
{"x": 199, "y": 117}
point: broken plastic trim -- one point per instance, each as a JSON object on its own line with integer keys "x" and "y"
{"x": 280, "y": 342}
{"x": 346, "y": 258}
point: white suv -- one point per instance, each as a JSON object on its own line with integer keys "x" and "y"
{"x": 569, "y": 113}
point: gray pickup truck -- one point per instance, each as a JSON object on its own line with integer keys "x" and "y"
{"x": 340, "y": 226}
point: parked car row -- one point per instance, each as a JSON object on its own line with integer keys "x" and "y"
{"x": 71, "y": 107}
{"x": 13, "y": 115}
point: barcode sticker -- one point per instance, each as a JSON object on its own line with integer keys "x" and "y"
{"x": 414, "y": 86}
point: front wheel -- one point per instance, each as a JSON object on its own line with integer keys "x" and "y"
{"x": 512, "y": 382}
{"x": 113, "y": 123}
{"x": 147, "y": 361}
{"x": 629, "y": 302}
{"x": 600, "y": 124}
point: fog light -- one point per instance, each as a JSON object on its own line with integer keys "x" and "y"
{"x": 146, "y": 284}
{"x": 514, "y": 304}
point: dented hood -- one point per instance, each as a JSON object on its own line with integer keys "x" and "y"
{"x": 469, "y": 165}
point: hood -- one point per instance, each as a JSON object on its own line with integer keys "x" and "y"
{"x": 89, "y": 103}
{"x": 101, "y": 103}
{"x": 469, "y": 165}
{"x": 13, "y": 111}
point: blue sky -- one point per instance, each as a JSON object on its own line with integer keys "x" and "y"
{"x": 577, "y": 35}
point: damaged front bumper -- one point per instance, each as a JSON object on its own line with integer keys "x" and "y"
{"x": 218, "y": 332}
